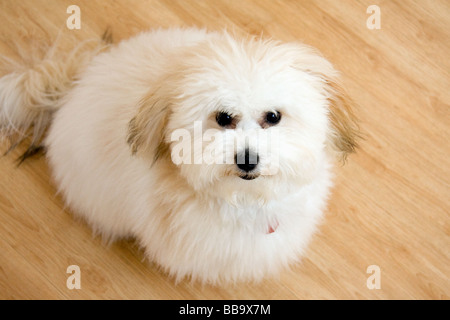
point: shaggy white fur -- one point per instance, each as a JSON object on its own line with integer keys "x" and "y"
{"x": 111, "y": 146}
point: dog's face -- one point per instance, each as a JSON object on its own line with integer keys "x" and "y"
{"x": 246, "y": 121}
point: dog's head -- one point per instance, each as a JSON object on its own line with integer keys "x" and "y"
{"x": 246, "y": 120}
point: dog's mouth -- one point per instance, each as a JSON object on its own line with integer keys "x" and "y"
{"x": 249, "y": 176}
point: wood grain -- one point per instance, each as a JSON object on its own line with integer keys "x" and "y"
{"x": 391, "y": 203}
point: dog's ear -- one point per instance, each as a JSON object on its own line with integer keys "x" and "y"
{"x": 146, "y": 131}
{"x": 344, "y": 134}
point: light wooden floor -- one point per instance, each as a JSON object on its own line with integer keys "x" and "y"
{"x": 391, "y": 202}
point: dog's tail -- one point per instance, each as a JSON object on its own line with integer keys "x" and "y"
{"x": 30, "y": 94}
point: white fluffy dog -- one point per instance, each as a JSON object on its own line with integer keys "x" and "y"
{"x": 128, "y": 146}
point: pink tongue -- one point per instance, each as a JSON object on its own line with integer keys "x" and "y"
{"x": 272, "y": 228}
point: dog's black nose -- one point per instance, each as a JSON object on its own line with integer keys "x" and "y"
{"x": 247, "y": 160}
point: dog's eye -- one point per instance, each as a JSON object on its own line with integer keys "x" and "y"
{"x": 224, "y": 119}
{"x": 273, "y": 118}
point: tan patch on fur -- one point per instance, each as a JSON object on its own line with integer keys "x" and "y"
{"x": 346, "y": 131}
{"x": 147, "y": 129}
